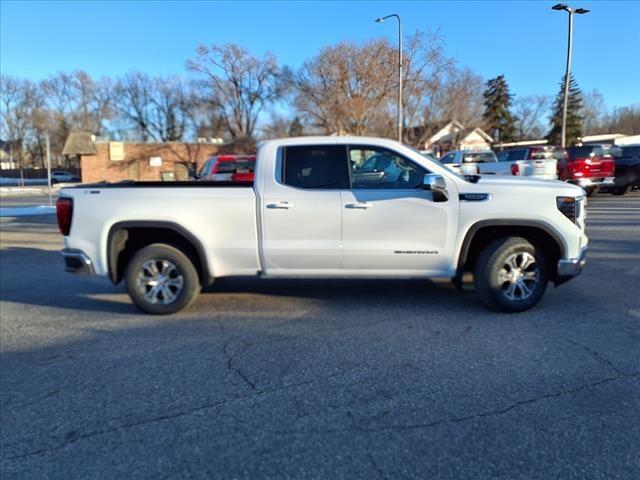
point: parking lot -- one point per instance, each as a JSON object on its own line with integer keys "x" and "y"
{"x": 321, "y": 379}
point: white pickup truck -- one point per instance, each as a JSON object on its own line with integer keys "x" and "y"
{"x": 318, "y": 208}
{"x": 535, "y": 162}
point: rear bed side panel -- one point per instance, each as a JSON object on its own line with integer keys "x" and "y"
{"x": 223, "y": 220}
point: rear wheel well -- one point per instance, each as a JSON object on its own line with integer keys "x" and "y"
{"x": 125, "y": 241}
{"x": 483, "y": 236}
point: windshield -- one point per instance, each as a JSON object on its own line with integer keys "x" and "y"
{"x": 455, "y": 174}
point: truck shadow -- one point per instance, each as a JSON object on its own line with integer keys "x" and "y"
{"x": 33, "y": 276}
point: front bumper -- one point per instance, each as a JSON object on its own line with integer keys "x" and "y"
{"x": 76, "y": 261}
{"x": 573, "y": 266}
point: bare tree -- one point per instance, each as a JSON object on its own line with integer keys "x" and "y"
{"x": 160, "y": 109}
{"x": 460, "y": 98}
{"x": 18, "y": 100}
{"x": 352, "y": 88}
{"x": 529, "y": 111}
{"x": 78, "y": 100}
{"x": 238, "y": 84}
{"x": 594, "y": 112}
{"x": 345, "y": 87}
{"x": 625, "y": 120}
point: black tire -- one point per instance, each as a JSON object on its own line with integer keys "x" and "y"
{"x": 491, "y": 268}
{"x": 590, "y": 191}
{"x": 53, "y": 181}
{"x": 171, "y": 265}
{"x": 618, "y": 190}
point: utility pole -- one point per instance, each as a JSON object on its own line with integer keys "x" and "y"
{"x": 571, "y": 11}
{"x": 48, "y": 146}
{"x": 400, "y": 117}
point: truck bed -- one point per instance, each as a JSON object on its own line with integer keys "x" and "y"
{"x": 221, "y": 216}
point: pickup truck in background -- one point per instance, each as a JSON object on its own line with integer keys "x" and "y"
{"x": 316, "y": 210}
{"x": 588, "y": 166}
{"x": 539, "y": 162}
{"x": 233, "y": 168}
{"x": 627, "y": 173}
{"x": 518, "y": 162}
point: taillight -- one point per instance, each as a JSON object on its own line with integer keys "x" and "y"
{"x": 64, "y": 212}
{"x": 515, "y": 169}
{"x": 477, "y": 170}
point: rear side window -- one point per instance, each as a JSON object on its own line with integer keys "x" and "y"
{"x": 517, "y": 154}
{"x": 628, "y": 152}
{"x": 239, "y": 165}
{"x": 581, "y": 152}
{"x": 319, "y": 166}
{"x": 479, "y": 157}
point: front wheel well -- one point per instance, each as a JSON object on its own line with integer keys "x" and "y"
{"x": 478, "y": 239}
{"x": 125, "y": 240}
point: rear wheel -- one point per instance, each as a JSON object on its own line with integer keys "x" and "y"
{"x": 511, "y": 275}
{"x": 161, "y": 279}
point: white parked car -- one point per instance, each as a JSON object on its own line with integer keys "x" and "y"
{"x": 61, "y": 176}
{"x": 317, "y": 208}
{"x": 525, "y": 162}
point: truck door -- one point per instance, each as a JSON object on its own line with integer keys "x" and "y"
{"x": 390, "y": 224}
{"x": 302, "y": 210}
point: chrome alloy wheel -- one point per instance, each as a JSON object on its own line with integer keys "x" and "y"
{"x": 519, "y": 276}
{"x": 159, "y": 281}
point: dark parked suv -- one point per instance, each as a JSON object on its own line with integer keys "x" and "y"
{"x": 627, "y": 170}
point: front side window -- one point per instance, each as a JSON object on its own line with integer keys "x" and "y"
{"x": 315, "y": 167}
{"x": 377, "y": 167}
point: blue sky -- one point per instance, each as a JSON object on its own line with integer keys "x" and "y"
{"x": 526, "y": 41}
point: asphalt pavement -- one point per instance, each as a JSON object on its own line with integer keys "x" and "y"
{"x": 321, "y": 379}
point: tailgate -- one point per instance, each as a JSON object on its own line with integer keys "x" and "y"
{"x": 600, "y": 166}
{"x": 542, "y": 168}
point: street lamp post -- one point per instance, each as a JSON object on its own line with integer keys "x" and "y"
{"x": 380, "y": 20}
{"x": 570, "y": 11}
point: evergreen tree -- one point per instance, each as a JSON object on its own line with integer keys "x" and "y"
{"x": 296, "y": 129}
{"x": 497, "y": 115}
{"x": 574, "y": 115}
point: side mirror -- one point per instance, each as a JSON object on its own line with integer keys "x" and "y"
{"x": 436, "y": 185}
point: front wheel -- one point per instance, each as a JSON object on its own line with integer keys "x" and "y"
{"x": 590, "y": 191}
{"x": 511, "y": 275}
{"x": 161, "y": 279}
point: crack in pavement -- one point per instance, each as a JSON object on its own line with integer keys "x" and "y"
{"x": 599, "y": 357}
{"x": 435, "y": 423}
{"x": 73, "y": 436}
{"x": 232, "y": 357}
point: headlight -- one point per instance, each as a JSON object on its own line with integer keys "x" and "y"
{"x": 567, "y": 205}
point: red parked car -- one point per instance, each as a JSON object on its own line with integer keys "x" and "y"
{"x": 228, "y": 168}
{"x": 588, "y": 166}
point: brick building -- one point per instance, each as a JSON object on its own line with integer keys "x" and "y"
{"x": 116, "y": 161}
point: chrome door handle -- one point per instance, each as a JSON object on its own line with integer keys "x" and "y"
{"x": 280, "y": 205}
{"x": 358, "y": 205}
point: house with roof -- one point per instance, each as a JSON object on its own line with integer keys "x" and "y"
{"x": 455, "y": 136}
